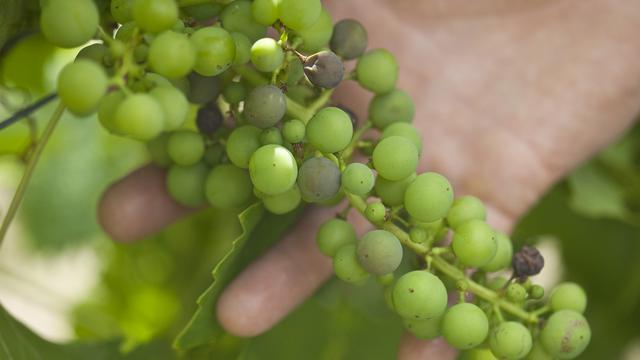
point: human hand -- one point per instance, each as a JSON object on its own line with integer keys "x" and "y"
{"x": 510, "y": 95}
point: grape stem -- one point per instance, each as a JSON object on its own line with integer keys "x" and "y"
{"x": 28, "y": 172}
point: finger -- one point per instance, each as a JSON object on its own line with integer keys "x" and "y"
{"x": 412, "y": 348}
{"x": 280, "y": 280}
{"x": 138, "y": 205}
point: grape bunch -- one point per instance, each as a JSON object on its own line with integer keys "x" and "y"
{"x": 237, "y": 117}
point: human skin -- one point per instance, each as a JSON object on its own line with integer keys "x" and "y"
{"x": 510, "y": 95}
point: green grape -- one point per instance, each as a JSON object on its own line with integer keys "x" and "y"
{"x": 241, "y": 144}
{"x": 395, "y": 158}
{"x": 375, "y": 212}
{"x": 265, "y": 106}
{"x": 358, "y": 179}
{"x": 174, "y": 104}
{"x": 497, "y": 283}
{"x": 293, "y": 131}
{"x": 236, "y": 17}
{"x": 349, "y": 39}
{"x": 172, "y": 55}
{"x": 185, "y": 184}
{"x": 117, "y": 49}
{"x": 316, "y": 36}
{"x": 429, "y": 197}
{"x": 155, "y": 16}
{"x": 568, "y": 296}
{"x": 301, "y": 94}
{"x": 215, "y": 50}
{"x": 565, "y": 335}
{"x": 330, "y": 130}
{"x": 264, "y": 12}
{"x": 271, "y": 135}
{"x": 318, "y": 179}
{"x": 516, "y": 293}
{"x": 386, "y": 279}
{"x": 125, "y": 32}
{"x": 419, "y": 295}
{"x": 185, "y": 147}
{"x": 504, "y": 253}
{"x": 140, "y": 117}
{"x": 158, "y": 150}
{"x": 510, "y": 341}
{"x": 377, "y": 71}
{"x": 423, "y": 329}
{"x": 81, "y": 86}
{"x": 334, "y": 234}
{"x": 234, "y": 93}
{"x": 465, "y": 326}
{"x": 406, "y": 131}
{"x": 283, "y": 203}
{"x": 294, "y": 71}
{"x": 538, "y": 353}
{"x": 324, "y": 69}
{"x": 107, "y": 110}
{"x": 121, "y": 10}
{"x": 266, "y": 55}
{"x": 213, "y": 155}
{"x": 464, "y": 209}
{"x": 243, "y": 48}
{"x": 346, "y": 266}
{"x": 392, "y": 192}
{"x": 477, "y": 354}
{"x": 391, "y": 108}
{"x": 228, "y": 187}
{"x": 299, "y": 14}
{"x": 94, "y": 52}
{"x": 474, "y": 243}
{"x": 536, "y": 292}
{"x": 203, "y": 89}
{"x": 152, "y": 79}
{"x": 418, "y": 235}
{"x": 69, "y": 23}
{"x": 202, "y": 12}
{"x": 379, "y": 252}
{"x": 273, "y": 169}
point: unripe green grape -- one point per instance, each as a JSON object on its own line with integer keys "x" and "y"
{"x": 266, "y": 55}
{"x": 213, "y": 155}
{"x": 316, "y": 36}
{"x": 474, "y": 243}
{"x": 536, "y": 292}
{"x": 203, "y": 89}
{"x": 349, "y": 39}
{"x": 330, "y": 130}
{"x": 186, "y": 184}
{"x": 155, "y": 16}
{"x": 228, "y": 187}
{"x": 324, "y": 69}
{"x": 294, "y": 72}
{"x": 568, "y": 296}
{"x": 516, "y": 293}
{"x": 140, "y": 117}
{"x": 375, "y": 212}
{"x": 185, "y": 147}
{"x": 81, "y": 86}
{"x": 377, "y": 71}
{"x": 234, "y": 93}
{"x": 301, "y": 94}
{"x": 497, "y": 283}
{"x": 566, "y": 334}
{"x": 271, "y": 135}
{"x": 477, "y": 354}
{"x": 395, "y": 158}
{"x": 273, "y": 169}
{"x": 107, "y": 110}
{"x": 538, "y": 353}
{"x": 117, "y": 49}
{"x": 503, "y": 256}
{"x": 510, "y": 341}
{"x": 215, "y": 50}
{"x": 283, "y": 203}
{"x": 293, "y": 131}
{"x": 386, "y": 279}
{"x": 236, "y": 17}
{"x": 464, "y": 209}
{"x": 346, "y": 266}
{"x": 419, "y": 295}
{"x": 265, "y": 106}
{"x": 299, "y": 14}
{"x": 95, "y": 52}
{"x": 69, "y": 23}
{"x": 264, "y": 12}
{"x": 429, "y": 197}
{"x": 202, "y": 12}
{"x": 358, "y": 179}
{"x": 318, "y": 179}
{"x": 423, "y": 329}
{"x": 174, "y": 104}
{"x": 243, "y": 48}
{"x": 392, "y": 192}
{"x": 122, "y": 10}
{"x": 465, "y": 326}
{"x": 334, "y": 234}
{"x": 379, "y": 252}
{"x": 241, "y": 144}
{"x": 141, "y": 53}
{"x": 158, "y": 150}
{"x": 172, "y": 55}
{"x": 391, "y": 108}
{"x": 418, "y": 235}
{"x": 406, "y": 131}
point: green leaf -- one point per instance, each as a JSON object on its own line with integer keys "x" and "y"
{"x": 259, "y": 231}
{"x": 594, "y": 193}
